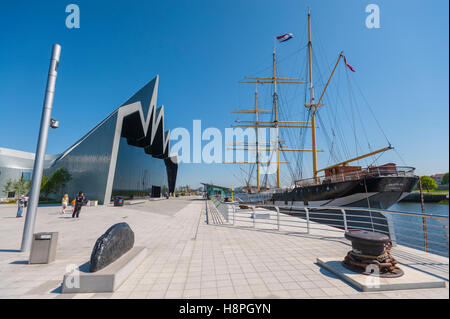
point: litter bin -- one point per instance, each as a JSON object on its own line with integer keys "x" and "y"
{"x": 118, "y": 201}
{"x": 93, "y": 202}
{"x": 43, "y": 248}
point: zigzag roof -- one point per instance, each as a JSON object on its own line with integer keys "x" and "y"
{"x": 142, "y": 122}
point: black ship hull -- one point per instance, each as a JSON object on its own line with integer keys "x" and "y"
{"x": 378, "y": 192}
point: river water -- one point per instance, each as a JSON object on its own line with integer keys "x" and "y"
{"x": 409, "y": 229}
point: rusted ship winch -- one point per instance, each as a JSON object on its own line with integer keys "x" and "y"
{"x": 371, "y": 250}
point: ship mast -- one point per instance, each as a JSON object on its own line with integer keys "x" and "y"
{"x": 257, "y": 140}
{"x": 312, "y": 106}
{"x": 271, "y": 146}
{"x": 275, "y": 123}
{"x": 275, "y": 110}
{"x": 275, "y": 146}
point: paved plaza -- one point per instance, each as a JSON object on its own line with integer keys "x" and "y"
{"x": 188, "y": 258}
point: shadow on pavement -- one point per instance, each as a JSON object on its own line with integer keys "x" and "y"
{"x": 57, "y": 290}
{"x": 19, "y": 262}
{"x": 9, "y": 251}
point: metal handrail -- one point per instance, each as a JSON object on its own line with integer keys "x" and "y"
{"x": 369, "y": 210}
{"x": 305, "y": 211}
{"x": 364, "y": 222}
{"x": 293, "y": 209}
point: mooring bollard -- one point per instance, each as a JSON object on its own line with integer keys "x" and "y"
{"x": 371, "y": 250}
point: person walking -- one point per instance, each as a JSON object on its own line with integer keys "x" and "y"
{"x": 65, "y": 203}
{"x": 73, "y": 204}
{"x": 20, "y": 205}
{"x": 79, "y": 201}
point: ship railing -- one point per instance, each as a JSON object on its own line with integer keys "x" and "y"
{"x": 425, "y": 232}
{"x": 257, "y": 197}
{"x": 371, "y": 171}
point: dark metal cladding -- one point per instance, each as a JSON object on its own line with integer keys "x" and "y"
{"x": 115, "y": 242}
{"x": 317, "y": 192}
{"x": 172, "y": 168}
{"x": 330, "y": 191}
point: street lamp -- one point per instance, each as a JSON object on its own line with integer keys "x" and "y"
{"x": 38, "y": 167}
{"x": 54, "y": 123}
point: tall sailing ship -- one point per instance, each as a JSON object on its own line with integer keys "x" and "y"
{"x": 338, "y": 184}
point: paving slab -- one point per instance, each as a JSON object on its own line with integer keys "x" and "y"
{"x": 188, "y": 258}
{"x": 411, "y": 279}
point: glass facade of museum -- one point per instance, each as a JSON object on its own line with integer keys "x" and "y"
{"x": 126, "y": 154}
{"x": 88, "y": 161}
{"x": 137, "y": 173}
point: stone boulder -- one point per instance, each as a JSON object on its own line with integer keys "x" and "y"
{"x": 115, "y": 242}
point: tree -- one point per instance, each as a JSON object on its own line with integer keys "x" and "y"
{"x": 21, "y": 187}
{"x": 59, "y": 180}
{"x": 444, "y": 179}
{"x": 428, "y": 183}
{"x": 8, "y": 187}
{"x": 46, "y": 188}
{"x": 56, "y": 183}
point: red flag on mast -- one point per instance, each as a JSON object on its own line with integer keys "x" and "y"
{"x": 348, "y": 65}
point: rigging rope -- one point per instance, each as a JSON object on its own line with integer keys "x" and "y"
{"x": 373, "y": 114}
{"x": 334, "y": 138}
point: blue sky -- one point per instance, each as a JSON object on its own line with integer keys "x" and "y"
{"x": 201, "y": 49}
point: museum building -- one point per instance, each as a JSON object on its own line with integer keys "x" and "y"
{"x": 126, "y": 154}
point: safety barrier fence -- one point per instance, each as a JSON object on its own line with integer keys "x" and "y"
{"x": 417, "y": 230}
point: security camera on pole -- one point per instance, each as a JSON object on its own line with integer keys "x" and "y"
{"x": 46, "y": 122}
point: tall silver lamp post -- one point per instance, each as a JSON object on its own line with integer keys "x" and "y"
{"x": 46, "y": 122}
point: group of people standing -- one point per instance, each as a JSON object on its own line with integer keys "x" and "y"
{"x": 77, "y": 203}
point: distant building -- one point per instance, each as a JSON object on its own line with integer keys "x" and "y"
{"x": 252, "y": 189}
{"x": 215, "y": 190}
{"x": 438, "y": 178}
{"x": 199, "y": 191}
{"x": 15, "y": 165}
{"x": 126, "y": 154}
